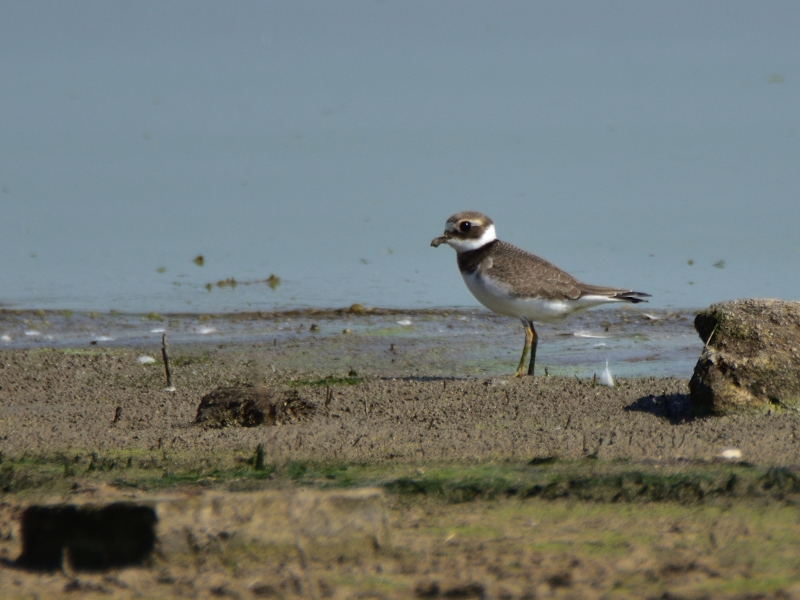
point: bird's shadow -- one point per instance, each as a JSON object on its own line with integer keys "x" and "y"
{"x": 676, "y": 408}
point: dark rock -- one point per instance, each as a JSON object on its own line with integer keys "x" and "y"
{"x": 751, "y": 359}
{"x": 250, "y": 406}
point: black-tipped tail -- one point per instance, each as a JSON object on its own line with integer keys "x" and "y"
{"x": 613, "y": 293}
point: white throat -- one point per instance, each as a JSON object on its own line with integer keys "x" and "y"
{"x": 461, "y": 245}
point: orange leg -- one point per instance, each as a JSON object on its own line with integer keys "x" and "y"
{"x": 531, "y": 341}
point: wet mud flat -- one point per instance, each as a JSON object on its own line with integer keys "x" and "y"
{"x": 388, "y": 342}
{"x": 490, "y": 486}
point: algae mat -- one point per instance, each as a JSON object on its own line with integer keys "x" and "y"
{"x": 500, "y": 548}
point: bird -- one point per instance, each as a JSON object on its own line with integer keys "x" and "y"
{"x": 515, "y": 283}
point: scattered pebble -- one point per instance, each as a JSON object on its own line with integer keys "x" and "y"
{"x": 206, "y": 330}
{"x": 33, "y": 332}
{"x": 600, "y": 345}
{"x": 146, "y": 360}
{"x": 104, "y": 338}
{"x": 605, "y": 377}
{"x": 5, "y": 337}
{"x": 651, "y": 316}
{"x": 158, "y": 330}
{"x": 731, "y": 454}
{"x": 404, "y": 322}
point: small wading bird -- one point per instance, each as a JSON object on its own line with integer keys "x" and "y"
{"x": 515, "y": 283}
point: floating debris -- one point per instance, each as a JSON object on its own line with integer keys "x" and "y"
{"x": 33, "y": 333}
{"x": 651, "y": 316}
{"x": 154, "y": 316}
{"x": 104, "y": 338}
{"x": 5, "y": 338}
{"x": 199, "y": 260}
{"x": 720, "y": 264}
{"x": 314, "y": 327}
{"x": 146, "y": 360}
{"x": 690, "y": 262}
{"x": 404, "y": 322}
{"x": 606, "y": 378}
{"x": 158, "y": 330}
{"x": 206, "y": 330}
{"x": 161, "y": 269}
{"x": 272, "y": 281}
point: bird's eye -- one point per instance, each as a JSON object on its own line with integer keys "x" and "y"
{"x": 465, "y": 226}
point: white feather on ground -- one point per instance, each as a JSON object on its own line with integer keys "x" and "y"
{"x": 606, "y": 378}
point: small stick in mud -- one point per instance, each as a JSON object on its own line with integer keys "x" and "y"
{"x": 170, "y": 387}
{"x": 258, "y": 462}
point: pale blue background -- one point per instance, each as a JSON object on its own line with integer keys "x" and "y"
{"x": 327, "y": 142}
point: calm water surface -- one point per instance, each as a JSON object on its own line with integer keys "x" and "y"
{"x": 651, "y": 146}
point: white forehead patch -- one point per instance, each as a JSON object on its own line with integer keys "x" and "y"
{"x": 461, "y": 245}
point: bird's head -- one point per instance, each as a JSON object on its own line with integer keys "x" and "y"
{"x": 466, "y": 231}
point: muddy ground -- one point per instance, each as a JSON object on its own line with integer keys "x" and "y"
{"x": 104, "y": 401}
{"x": 495, "y": 487}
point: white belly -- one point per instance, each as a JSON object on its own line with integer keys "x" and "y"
{"x": 497, "y": 298}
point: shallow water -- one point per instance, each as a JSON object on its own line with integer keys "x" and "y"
{"x": 651, "y": 146}
{"x": 451, "y": 343}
